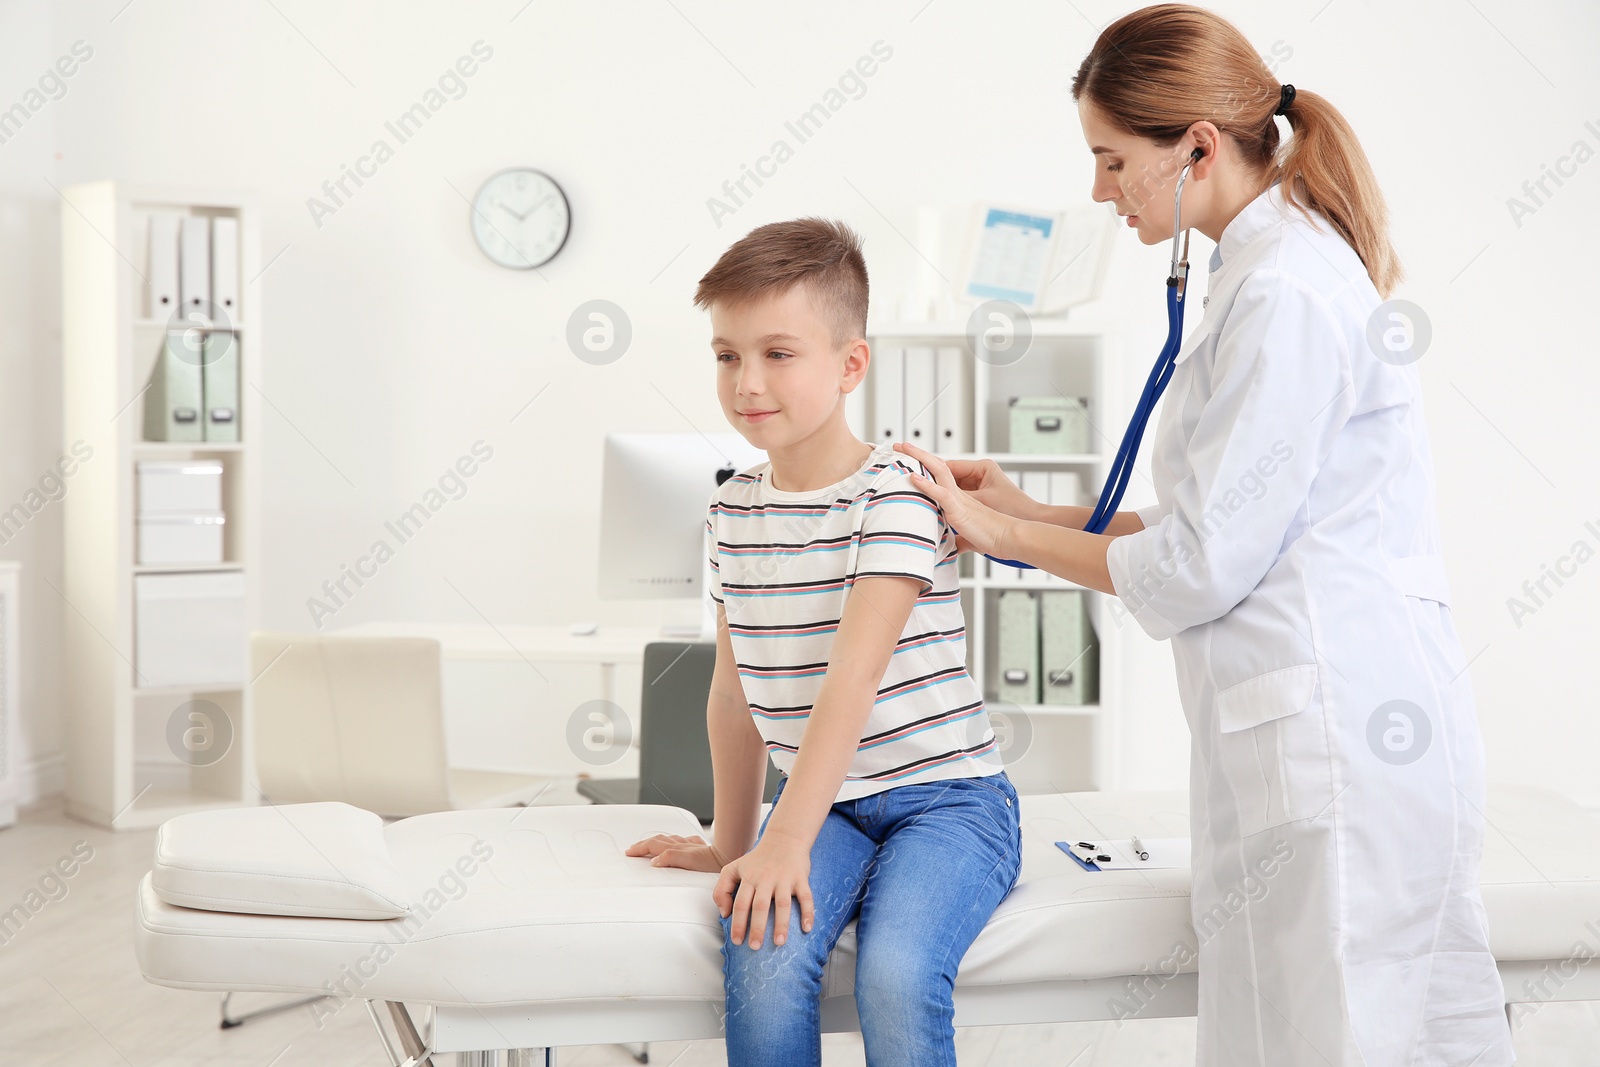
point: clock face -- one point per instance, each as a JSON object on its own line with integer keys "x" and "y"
{"x": 520, "y": 218}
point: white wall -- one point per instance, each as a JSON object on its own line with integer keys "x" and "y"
{"x": 30, "y": 378}
{"x": 393, "y": 344}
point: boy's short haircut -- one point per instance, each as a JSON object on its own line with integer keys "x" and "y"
{"x": 772, "y": 259}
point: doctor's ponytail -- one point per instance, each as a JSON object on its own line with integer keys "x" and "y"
{"x": 1157, "y": 71}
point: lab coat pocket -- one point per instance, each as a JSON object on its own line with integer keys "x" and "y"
{"x": 1265, "y": 747}
{"x": 1203, "y": 340}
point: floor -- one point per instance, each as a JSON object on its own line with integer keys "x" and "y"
{"x": 71, "y": 994}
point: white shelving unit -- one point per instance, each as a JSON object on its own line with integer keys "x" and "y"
{"x": 1068, "y": 747}
{"x": 10, "y": 689}
{"x": 109, "y": 347}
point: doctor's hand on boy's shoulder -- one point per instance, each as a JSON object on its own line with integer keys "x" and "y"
{"x": 761, "y": 881}
{"x": 964, "y": 489}
{"x": 984, "y": 479}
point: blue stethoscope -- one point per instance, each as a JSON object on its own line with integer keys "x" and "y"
{"x": 1160, "y": 374}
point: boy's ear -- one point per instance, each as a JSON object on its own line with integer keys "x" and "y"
{"x": 860, "y": 354}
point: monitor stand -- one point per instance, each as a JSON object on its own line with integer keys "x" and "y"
{"x": 691, "y": 620}
{"x": 684, "y": 631}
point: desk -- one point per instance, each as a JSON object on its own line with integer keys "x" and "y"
{"x": 610, "y": 646}
{"x": 486, "y": 707}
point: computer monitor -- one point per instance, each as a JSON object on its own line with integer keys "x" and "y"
{"x": 655, "y": 487}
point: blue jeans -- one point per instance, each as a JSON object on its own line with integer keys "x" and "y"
{"x": 925, "y": 865}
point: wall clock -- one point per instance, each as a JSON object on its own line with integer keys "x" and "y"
{"x": 520, "y": 218}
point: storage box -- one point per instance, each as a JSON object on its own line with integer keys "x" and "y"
{"x": 181, "y": 537}
{"x": 1049, "y": 424}
{"x": 190, "y": 629}
{"x": 188, "y": 485}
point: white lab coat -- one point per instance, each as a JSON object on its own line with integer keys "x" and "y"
{"x": 1292, "y": 558}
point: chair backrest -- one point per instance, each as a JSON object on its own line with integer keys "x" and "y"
{"x": 674, "y": 745}
{"x": 356, "y": 719}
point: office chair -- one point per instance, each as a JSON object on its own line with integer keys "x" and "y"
{"x": 360, "y": 719}
{"x": 674, "y": 747}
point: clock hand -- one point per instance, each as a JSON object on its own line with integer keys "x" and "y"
{"x": 508, "y": 211}
{"x": 528, "y": 212}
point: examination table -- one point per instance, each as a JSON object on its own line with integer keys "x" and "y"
{"x": 528, "y": 929}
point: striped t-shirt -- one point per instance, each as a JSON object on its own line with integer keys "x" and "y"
{"x": 782, "y": 564}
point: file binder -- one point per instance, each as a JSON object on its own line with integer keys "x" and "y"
{"x": 1066, "y": 488}
{"x": 888, "y": 394}
{"x": 220, "y": 385}
{"x": 163, "y": 265}
{"x": 225, "y": 266}
{"x": 1069, "y": 651}
{"x": 920, "y": 397}
{"x": 172, "y": 402}
{"x": 999, "y": 572}
{"x": 195, "y": 267}
{"x": 952, "y": 419}
{"x": 1019, "y": 647}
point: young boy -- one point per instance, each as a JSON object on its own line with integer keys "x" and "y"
{"x": 841, "y": 654}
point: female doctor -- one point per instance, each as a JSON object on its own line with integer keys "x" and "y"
{"x": 1292, "y": 559}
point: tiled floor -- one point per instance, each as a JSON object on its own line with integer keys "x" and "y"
{"x": 71, "y": 994}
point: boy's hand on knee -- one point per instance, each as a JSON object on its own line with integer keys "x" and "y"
{"x": 769, "y": 874}
{"x": 674, "y": 850}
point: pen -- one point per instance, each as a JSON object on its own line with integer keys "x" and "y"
{"x": 1139, "y": 850}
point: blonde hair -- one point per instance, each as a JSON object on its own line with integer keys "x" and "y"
{"x": 770, "y": 260}
{"x": 1157, "y": 71}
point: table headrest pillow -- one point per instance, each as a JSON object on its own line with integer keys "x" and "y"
{"x": 326, "y": 860}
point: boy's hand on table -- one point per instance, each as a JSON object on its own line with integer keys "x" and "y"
{"x": 775, "y": 870}
{"x": 674, "y": 850}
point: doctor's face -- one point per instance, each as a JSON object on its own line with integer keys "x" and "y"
{"x": 1134, "y": 173}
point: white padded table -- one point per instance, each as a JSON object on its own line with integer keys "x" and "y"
{"x": 560, "y": 939}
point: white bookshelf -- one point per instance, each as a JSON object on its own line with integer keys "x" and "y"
{"x": 1072, "y": 746}
{"x": 10, "y": 689}
{"x": 109, "y": 347}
